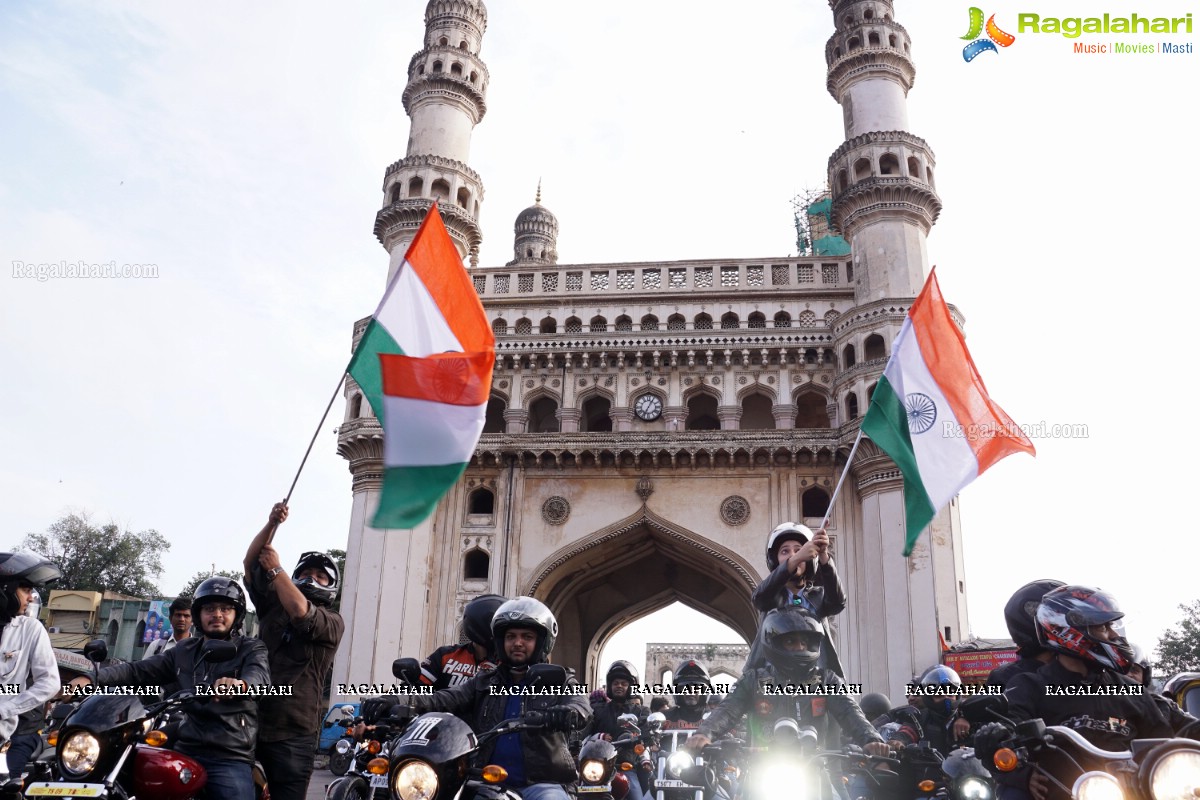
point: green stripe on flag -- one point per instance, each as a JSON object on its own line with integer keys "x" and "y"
{"x": 364, "y": 366}
{"x": 887, "y": 425}
{"x": 410, "y": 493}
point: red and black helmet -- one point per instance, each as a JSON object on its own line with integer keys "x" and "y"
{"x": 1064, "y": 618}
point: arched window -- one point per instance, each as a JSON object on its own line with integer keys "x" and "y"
{"x": 113, "y": 630}
{"x": 843, "y": 181}
{"x": 598, "y": 325}
{"x": 649, "y": 323}
{"x": 548, "y": 325}
{"x": 595, "y": 417}
{"x": 862, "y": 169}
{"x": 848, "y": 357}
{"x": 524, "y": 327}
{"x": 852, "y": 44}
{"x": 623, "y": 323}
{"x": 493, "y": 420}
{"x": 702, "y": 413}
{"x": 756, "y": 320}
{"x": 676, "y": 322}
{"x": 456, "y": 69}
{"x": 873, "y": 39}
{"x": 476, "y": 565}
{"x": 139, "y": 633}
{"x": 811, "y": 411}
{"x": 814, "y": 503}
{"x": 440, "y": 189}
{"x": 807, "y": 319}
{"x": 464, "y": 197}
{"x": 437, "y": 66}
{"x": 573, "y": 325}
{"x": 482, "y": 501}
{"x": 442, "y": 42}
{"x": 756, "y": 413}
{"x": 852, "y": 406}
{"x": 783, "y": 320}
{"x": 703, "y": 322}
{"x": 542, "y": 416}
{"x": 874, "y": 347}
{"x": 889, "y": 164}
{"x": 355, "y": 406}
{"x": 500, "y": 327}
{"x": 396, "y": 189}
{"x": 729, "y": 321}
{"x": 415, "y": 187}
{"x": 871, "y": 391}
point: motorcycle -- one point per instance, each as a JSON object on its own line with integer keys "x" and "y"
{"x": 342, "y": 752}
{"x": 678, "y": 774}
{"x": 431, "y": 759}
{"x": 1152, "y": 769}
{"x": 110, "y": 747}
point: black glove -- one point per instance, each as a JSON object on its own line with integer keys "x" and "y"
{"x": 376, "y": 708}
{"x": 990, "y": 738}
{"x": 563, "y": 719}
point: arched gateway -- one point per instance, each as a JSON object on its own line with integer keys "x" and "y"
{"x": 643, "y": 459}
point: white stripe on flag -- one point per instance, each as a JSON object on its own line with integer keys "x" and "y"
{"x": 944, "y": 458}
{"x": 421, "y": 433}
{"x": 412, "y": 318}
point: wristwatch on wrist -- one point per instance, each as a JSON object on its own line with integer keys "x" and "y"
{"x": 274, "y": 573}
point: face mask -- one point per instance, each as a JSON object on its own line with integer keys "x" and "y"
{"x": 34, "y": 609}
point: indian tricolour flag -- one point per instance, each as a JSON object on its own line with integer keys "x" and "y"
{"x": 931, "y": 413}
{"x": 425, "y": 365}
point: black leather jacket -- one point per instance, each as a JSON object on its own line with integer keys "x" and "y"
{"x": 824, "y": 593}
{"x": 547, "y": 759}
{"x": 220, "y": 730}
{"x": 604, "y": 717}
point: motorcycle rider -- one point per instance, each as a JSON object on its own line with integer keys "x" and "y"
{"x": 689, "y": 704}
{"x": 619, "y": 683}
{"x": 1019, "y": 614}
{"x": 456, "y": 664}
{"x": 1083, "y": 627}
{"x": 219, "y": 734}
{"x": 28, "y": 661}
{"x": 792, "y": 642}
{"x": 538, "y": 762}
{"x": 301, "y": 630}
{"x": 1184, "y": 690}
{"x": 931, "y": 719}
{"x": 802, "y": 573}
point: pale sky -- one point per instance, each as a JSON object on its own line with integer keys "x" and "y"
{"x": 241, "y": 149}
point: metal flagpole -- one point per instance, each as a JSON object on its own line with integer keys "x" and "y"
{"x": 841, "y": 480}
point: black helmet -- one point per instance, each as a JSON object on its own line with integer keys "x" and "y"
{"x": 691, "y": 673}
{"x": 940, "y": 675}
{"x": 874, "y": 705}
{"x": 224, "y": 589}
{"x": 22, "y": 568}
{"x": 1142, "y": 659}
{"x": 317, "y": 594}
{"x": 620, "y": 670}
{"x": 525, "y": 612}
{"x": 793, "y": 531}
{"x": 477, "y": 619}
{"x": 793, "y": 663}
{"x": 1020, "y": 611}
{"x": 1064, "y": 617}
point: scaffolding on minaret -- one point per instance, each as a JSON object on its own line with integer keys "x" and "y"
{"x": 812, "y": 213}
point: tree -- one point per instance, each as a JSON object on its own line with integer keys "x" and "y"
{"x": 1179, "y": 648}
{"x": 102, "y": 558}
{"x": 189, "y": 589}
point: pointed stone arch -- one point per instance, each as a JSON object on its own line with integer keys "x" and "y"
{"x": 581, "y": 583}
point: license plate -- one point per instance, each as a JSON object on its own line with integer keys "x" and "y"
{"x": 65, "y": 790}
{"x": 605, "y": 788}
{"x": 379, "y": 781}
{"x": 670, "y": 784}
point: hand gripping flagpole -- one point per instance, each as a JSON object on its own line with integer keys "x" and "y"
{"x": 842, "y": 479}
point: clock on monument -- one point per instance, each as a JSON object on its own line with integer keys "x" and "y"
{"x": 648, "y": 407}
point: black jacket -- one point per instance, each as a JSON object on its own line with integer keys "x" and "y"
{"x": 1002, "y": 676}
{"x": 805, "y": 709}
{"x": 301, "y": 656}
{"x": 547, "y": 759}
{"x": 220, "y": 730}
{"x": 824, "y": 592}
{"x": 604, "y": 717}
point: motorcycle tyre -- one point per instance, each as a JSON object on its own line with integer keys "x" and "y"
{"x": 340, "y": 764}
{"x": 351, "y": 787}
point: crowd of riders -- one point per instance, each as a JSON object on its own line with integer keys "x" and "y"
{"x": 1066, "y": 636}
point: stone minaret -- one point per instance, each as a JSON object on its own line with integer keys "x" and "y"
{"x": 384, "y": 592}
{"x": 884, "y": 204}
{"x": 445, "y": 98}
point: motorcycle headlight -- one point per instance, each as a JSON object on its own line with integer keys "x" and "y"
{"x": 974, "y": 789}
{"x": 773, "y": 775}
{"x": 415, "y": 780}
{"x": 678, "y": 762}
{"x": 1096, "y": 786}
{"x": 79, "y": 753}
{"x": 593, "y": 770}
{"x": 342, "y": 746}
{"x": 1176, "y": 775}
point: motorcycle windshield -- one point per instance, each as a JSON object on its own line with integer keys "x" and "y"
{"x": 102, "y": 712}
{"x": 1190, "y": 702}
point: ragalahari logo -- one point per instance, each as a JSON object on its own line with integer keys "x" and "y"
{"x": 995, "y": 36}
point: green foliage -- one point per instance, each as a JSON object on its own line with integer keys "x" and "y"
{"x": 1179, "y": 648}
{"x": 102, "y": 558}
{"x": 189, "y": 589}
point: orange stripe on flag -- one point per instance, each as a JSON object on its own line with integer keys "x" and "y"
{"x": 436, "y": 261}
{"x": 994, "y": 434}
{"x": 460, "y": 379}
